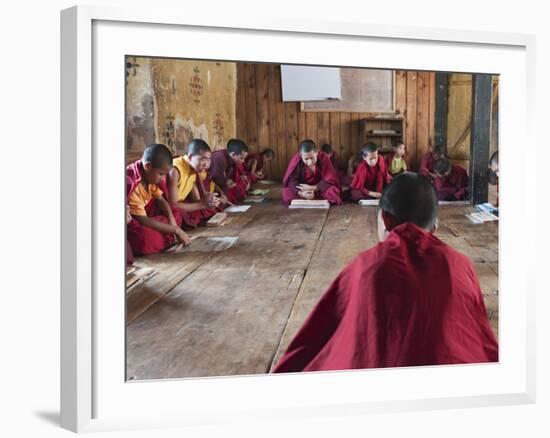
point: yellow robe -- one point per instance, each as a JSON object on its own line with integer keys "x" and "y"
{"x": 188, "y": 177}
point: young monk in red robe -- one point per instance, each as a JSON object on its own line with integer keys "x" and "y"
{"x": 427, "y": 161}
{"x": 371, "y": 176}
{"x": 186, "y": 188}
{"x": 310, "y": 175}
{"x": 396, "y": 163}
{"x": 154, "y": 225}
{"x": 227, "y": 170}
{"x": 254, "y": 164}
{"x": 353, "y": 163}
{"x": 451, "y": 182}
{"x": 411, "y": 300}
{"x": 327, "y": 149}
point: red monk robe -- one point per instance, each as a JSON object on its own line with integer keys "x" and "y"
{"x": 249, "y": 163}
{"x": 324, "y": 177}
{"x": 369, "y": 179}
{"x": 222, "y": 168}
{"x": 193, "y": 219}
{"x": 145, "y": 240}
{"x": 339, "y": 171}
{"x": 397, "y": 304}
{"x": 427, "y": 164}
{"x": 453, "y": 187}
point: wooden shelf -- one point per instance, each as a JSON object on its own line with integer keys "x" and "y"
{"x": 369, "y": 124}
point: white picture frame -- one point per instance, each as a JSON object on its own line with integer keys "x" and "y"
{"x": 94, "y": 395}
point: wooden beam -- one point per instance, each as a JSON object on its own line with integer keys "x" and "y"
{"x": 480, "y": 138}
{"x": 441, "y": 109}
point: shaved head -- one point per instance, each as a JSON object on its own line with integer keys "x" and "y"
{"x": 308, "y": 146}
{"x": 442, "y": 166}
{"x": 410, "y": 197}
{"x": 236, "y": 146}
{"x": 158, "y": 155}
{"x": 196, "y": 146}
{"x": 368, "y": 148}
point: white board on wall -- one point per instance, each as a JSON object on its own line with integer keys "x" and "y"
{"x": 309, "y": 83}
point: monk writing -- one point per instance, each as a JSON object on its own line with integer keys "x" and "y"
{"x": 186, "y": 188}
{"x": 327, "y": 149}
{"x": 254, "y": 164}
{"x": 310, "y": 175}
{"x": 154, "y": 224}
{"x": 371, "y": 176}
{"x": 228, "y": 172}
{"x": 451, "y": 181}
{"x": 398, "y": 303}
{"x": 428, "y": 160}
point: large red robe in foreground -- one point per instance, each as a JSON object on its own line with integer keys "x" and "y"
{"x": 325, "y": 178}
{"x": 410, "y": 300}
{"x": 369, "y": 179}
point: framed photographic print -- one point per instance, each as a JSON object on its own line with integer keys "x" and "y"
{"x": 229, "y": 254}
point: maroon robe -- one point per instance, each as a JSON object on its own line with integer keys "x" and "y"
{"x": 453, "y": 187}
{"x": 222, "y": 168}
{"x": 144, "y": 240}
{"x": 341, "y": 173}
{"x": 249, "y": 161}
{"x": 325, "y": 178}
{"x": 427, "y": 164}
{"x": 369, "y": 179}
{"x": 397, "y": 304}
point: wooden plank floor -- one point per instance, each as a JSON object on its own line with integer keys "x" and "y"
{"x": 234, "y": 312}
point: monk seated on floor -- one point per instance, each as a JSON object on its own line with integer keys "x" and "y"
{"x": 227, "y": 170}
{"x": 451, "y": 182}
{"x": 154, "y": 224}
{"x": 411, "y": 300}
{"x": 310, "y": 175}
{"x": 428, "y": 160}
{"x": 354, "y": 160}
{"x": 254, "y": 164}
{"x": 396, "y": 162}
{"x": 186, "y": 185}
{"x": 327, "y": 149}
{"x": 371, "y": 176}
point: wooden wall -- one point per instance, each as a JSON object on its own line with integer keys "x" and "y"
{"x": 263, "y": 120}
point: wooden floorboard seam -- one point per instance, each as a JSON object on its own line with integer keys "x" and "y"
{"x": 128, "y": 323}
{"x": 210, "y": 257}
{"x": 276, "y": 353}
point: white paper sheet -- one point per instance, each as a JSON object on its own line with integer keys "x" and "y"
{"x": 369, "y": 202}
{"x": 237, "y": 209}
